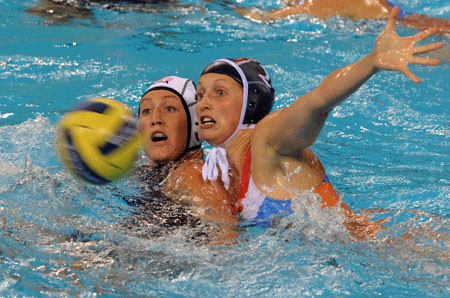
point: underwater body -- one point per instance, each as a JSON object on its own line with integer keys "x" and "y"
{"x": 386, "y": 149}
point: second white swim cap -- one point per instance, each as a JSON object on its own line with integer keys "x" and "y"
{"x": 186, "y": 91}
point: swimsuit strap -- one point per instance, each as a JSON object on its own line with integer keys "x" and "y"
{"x": 245, "y": 181}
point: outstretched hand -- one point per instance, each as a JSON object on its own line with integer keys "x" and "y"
{"x": 393, "y": 52}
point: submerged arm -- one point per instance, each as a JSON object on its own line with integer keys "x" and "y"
{"x": 296, "y": 127}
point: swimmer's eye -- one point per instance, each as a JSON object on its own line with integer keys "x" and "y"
{"x": 220, "y": 92}
{"x": 170, "y": 109}
{"x": 146, "y": 111}
{"x": 200, "y": 95}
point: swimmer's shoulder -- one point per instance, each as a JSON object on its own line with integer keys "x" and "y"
{"x": 185, "y": 178}
{"x": 265, "y": 126}
{"x": 189, "y": 169}
{"x": 263, "y": 141}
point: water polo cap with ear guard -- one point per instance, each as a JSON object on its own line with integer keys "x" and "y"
{"x": 259, "y": 94}
{"x": 185, "y": 89}
{"x": 258, "y": 99}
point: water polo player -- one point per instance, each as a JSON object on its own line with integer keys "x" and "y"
{"x": 354, "y": 9}
{"x": 272, "y": 161}
{"x": 168, "y": 123}
{"x": 64, "y": 11}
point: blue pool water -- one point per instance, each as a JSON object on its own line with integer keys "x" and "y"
{"x": 387, "y": 147}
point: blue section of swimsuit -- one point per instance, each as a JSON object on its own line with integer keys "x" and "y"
{"x": 402, "y": 13}
{"x": 272, "y": 207}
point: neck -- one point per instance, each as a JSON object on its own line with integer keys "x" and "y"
{"x": 237, "y": 149}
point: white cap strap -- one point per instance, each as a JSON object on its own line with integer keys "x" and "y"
{"x": 216, "y": 156}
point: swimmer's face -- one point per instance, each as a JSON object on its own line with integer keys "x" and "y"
{"x": 219, "y": 107}
{"x": 164, "y": 125}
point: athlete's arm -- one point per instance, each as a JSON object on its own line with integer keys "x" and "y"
{"x": 422, "y": 22}
{"x": 323, "y": 9}
{"x": 209, "y": 200}
{"x": 291, "y": 130}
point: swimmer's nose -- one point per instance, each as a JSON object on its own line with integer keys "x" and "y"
{"x": 156, "y": 117}
{"x": 203, "y": 104}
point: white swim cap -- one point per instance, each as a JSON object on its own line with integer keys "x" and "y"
{"x": 186, "y": 91}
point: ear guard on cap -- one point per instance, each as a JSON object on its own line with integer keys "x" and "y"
{"x": 259, "y": 103}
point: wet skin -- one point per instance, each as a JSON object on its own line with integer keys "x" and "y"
{"x": 163, "y": 123}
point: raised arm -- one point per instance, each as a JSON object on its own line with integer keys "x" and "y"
{"x": 297, "y": 127}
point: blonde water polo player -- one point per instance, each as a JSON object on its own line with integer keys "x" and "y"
{"x": 276, "y": 150}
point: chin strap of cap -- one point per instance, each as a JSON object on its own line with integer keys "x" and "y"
{"x": 217, "y": 156}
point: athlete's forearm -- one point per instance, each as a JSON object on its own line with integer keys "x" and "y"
{"x": 298, "y": 126}
{"x": 341, "y": 83}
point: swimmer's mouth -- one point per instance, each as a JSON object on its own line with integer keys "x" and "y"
{"x": 206, "y": 120}
{"x": 158, "y": 137}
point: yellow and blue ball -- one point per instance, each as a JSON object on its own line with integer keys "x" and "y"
{"x": 99, "y": 140}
